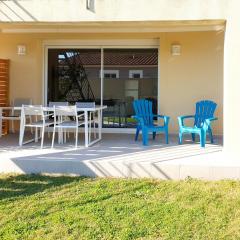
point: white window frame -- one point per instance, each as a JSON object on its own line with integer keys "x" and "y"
{"x": 109, "y": 71}
{"x": 131, "y": 72}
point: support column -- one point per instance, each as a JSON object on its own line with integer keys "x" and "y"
{"x": 232, "y": 82}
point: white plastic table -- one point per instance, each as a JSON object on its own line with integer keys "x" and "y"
{"x": 97, "y": 109}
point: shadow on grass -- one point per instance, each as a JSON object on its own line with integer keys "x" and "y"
{"x": 17, "y": 186}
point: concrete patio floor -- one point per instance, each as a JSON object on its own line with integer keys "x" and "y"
{"x": 118, "y": 155}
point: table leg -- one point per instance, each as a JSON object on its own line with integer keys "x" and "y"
{"x": 86, "y": 127}
{"x": 21, "y": 130}
{"x": 99, "y": 124}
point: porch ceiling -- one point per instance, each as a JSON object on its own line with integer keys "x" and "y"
{"x": 116, "y": 26}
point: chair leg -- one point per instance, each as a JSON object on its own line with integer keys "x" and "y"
{"x": 53, "y": 136}
{"x": 94, "y": 129}
{"x": 202, "y": 138}
{"x": 193, "y": 137}
{"x": 30, "y": 121}
{"x": 145, "y": 137}
{"x": 166, "y": 136}
{"x": 210, "y": 135}
{"x": 137, "y": 133}
{"x": 76, "y": 140}
{"x": 21, "y": 135}
{"x": 154, "y": 135}
{"x": 43, "y": 131}
{"x": 180, "y": 138}
{"x": 36, "y": 134}
{"x": 89, "y": 130}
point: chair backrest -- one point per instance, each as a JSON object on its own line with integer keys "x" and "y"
{"x": 51, "y": 104}
{"x": 65, "y": 111}
{"x": 143, "y": 108}
{"x": 18, "y": 102}
{"x": 204, "y": 109}
{"x": 85, "y": 104}
{"x": 32, "y": 110}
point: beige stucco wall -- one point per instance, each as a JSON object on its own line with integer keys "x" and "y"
{"x": 25, "y": 71}
{"x": 196, "y": 74}
{"x": 112, "y": 10}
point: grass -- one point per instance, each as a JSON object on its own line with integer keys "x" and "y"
{"x": 43, "y": 207}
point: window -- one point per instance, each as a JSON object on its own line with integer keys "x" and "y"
{"x": 110, "y": 73}
{"x": 135, "y": 73}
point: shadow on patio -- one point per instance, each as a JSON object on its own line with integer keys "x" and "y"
{"x": 117, "y": 155}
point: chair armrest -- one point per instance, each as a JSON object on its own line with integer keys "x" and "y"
{"x": 139, "y": 119}
{"x": 182, "y": 118}
{"x": 208, "y": 121}
{"x": 165, "y": 118}
{"x": 212, "y": 119}
{"x": 187, "y": 116}
{"x": 80, "y": 115}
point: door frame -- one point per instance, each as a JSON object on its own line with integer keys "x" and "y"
{"x": 101, "y": 45}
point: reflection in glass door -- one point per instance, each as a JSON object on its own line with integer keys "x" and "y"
{"x": 128, "y": 74}
{"x": 73, "y": 75}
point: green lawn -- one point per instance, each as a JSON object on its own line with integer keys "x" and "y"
{"x": 42, "y": 207}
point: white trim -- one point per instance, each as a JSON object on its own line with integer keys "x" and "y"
{"x": 101, "y": 76}
{"x": 105, "y": 43}
{"x": 45, "y": 76}
{"x": 131, "y": 72}
{"x": 134, "y": 29}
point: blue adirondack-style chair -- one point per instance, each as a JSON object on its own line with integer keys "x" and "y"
{"x": 202, "y": 122}
{"x": 145, "y": 118}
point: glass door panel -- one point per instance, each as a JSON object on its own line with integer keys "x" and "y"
{"x": 73, "y": 75}
{"x": 129, "y": 74}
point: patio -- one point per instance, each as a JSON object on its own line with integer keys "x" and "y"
{"x": 118, "y": 155}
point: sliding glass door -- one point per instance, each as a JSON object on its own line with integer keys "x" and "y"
{"x": 128, "y": 74}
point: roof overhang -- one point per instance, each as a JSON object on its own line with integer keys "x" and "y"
{"x": 113, "y": 27}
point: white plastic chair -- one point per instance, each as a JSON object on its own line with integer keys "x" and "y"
{"x": 41, "y": 121}
{"x": 57, "y": 104}
{"x": 61, "y": 122}
{"x": 91, "y": 116}
{"x": 15, "y": 115}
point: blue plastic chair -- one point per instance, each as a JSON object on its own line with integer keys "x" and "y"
{"x": 145, "y": 117}
{"x": 202, "y": 122}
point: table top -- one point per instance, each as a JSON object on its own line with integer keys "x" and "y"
{"x": 49, "y": 109}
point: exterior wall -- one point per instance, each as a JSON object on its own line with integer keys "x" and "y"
{"x": 196, "y": 74}
{"x": 117, "y": 10}
{"x": 25, "y": 71}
